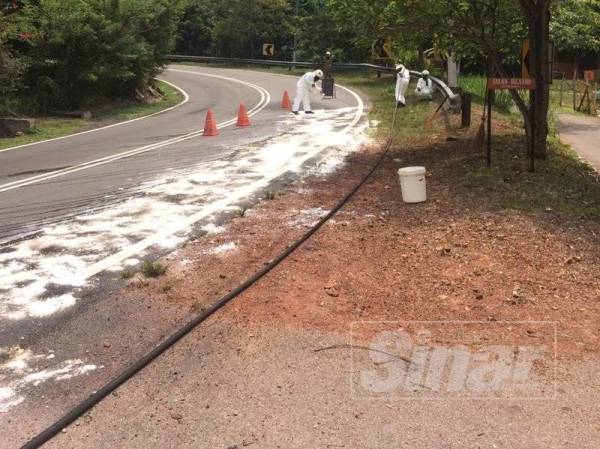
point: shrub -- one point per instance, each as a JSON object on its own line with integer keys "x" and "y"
{"x": 79, "y": 51}
{"x": 153, "y": 269}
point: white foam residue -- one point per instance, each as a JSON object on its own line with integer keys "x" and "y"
{"x": 49, "y": 306}
{"x": 115, "y": 269}
{"x": 19, "y": 373}
{"x": 224, "y": 248}
{"x": 307, "y": 217}
{"x": 8, "y": 399}
{"x": 211, "y": 228}
{"x": 60, "y": 257}
{"x": 66, "y": 370}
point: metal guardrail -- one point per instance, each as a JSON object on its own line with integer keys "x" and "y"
{"x": 453, "y": 99}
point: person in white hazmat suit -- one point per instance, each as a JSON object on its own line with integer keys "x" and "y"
{"x": 424, "y": 90}
{"x": 402, "y": 80}
{"x": 305, "y": 85}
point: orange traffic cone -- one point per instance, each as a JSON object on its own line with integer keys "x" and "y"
{"x": 286, "y": 103}
{"x": 243, "y": 119}
{"x": 210, "y": 126}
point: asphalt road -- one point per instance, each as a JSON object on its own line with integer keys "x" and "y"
{"x": 583, "y": 134}
{"x": 78, "y": 202}
{"x": 60, "y": 186}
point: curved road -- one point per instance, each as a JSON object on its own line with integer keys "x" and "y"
{"x": 74, "y": 209}
{"x": 59, "y": 186}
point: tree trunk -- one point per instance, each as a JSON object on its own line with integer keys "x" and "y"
{"x": 421, "y": 57}
{"x": 538, "y": 19}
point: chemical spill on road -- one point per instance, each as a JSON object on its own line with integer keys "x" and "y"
{"x": 44, "y": 275}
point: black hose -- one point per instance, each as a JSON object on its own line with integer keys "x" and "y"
{"x": 84, "y": 406}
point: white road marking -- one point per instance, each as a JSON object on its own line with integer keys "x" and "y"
{"x": 231, "y": 199}
{"x": 265, "y": 99}
{"x": 64, "y": 256}
{"x": 186, "y": 98}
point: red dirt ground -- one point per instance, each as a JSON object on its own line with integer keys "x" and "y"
{"x": 455, "y": 257}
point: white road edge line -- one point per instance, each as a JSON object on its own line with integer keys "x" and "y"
{"x": 186, "y": 98}
{"x": 265, "y": 99}
{"x": 237, "y": 195}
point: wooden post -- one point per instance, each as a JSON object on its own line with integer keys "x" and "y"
{"x": 532, "y": 145}
{"x": 594, "y": 107}
{"x": 575, "y": 89}
{"x": 583, "y": 98}
{"x": 562, "y": 85}
{"x": 465, "y": 109}
{"x": 489, "y": 128}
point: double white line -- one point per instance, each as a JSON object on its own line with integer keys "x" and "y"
{"x": 233, "y": 197}
{"x": 265, "y": 99}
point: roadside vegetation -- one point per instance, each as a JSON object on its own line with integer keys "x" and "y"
{"x": 153, "y": 269}
{"x": 561, "y": 183}
{"x": 57, "y": 57}
{"x": 53, "y": 127}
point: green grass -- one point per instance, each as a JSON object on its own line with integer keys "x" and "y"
{"x": 50, "y": 128}
{"x": 410, "y": 121}
{"x": 153, "y": 269}
{"x": 476, "y": 86}
{"x": 561, "y": 182}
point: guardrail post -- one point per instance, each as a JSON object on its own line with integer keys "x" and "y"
{"x": 465, "y": 109}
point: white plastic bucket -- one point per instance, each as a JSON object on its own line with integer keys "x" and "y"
{"x": 413, "y": 184}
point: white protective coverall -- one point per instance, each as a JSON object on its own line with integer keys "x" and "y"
{"x": 304, "y": 88}
{"x": 424, "y": 90}
{"x": 402, "y": 80}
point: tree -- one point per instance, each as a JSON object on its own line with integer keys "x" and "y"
{"x": 318, "y": 31}
{"x": 195, "y": 33}
{"x": 79, "y": 51}
{"x": 12, "y": 30}
{"x": 245, "y": 26}
{"x": 493, "y": 29}
{"x": 537, "y": 13}
{"x": 575, "y": 25}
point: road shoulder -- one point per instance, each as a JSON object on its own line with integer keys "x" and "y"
{"x": 49, "y": 128}
{"x": 582, "y": 133}
{"x": 274, "y": 369}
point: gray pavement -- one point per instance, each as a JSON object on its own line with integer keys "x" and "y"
{"x": 26, "y": 209}
{"x": 223, "y": 389}
{"x": 583, "y": 134}
{"x": 55, "y": 359}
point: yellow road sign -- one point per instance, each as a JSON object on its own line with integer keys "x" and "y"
{"x": 383, "y": 48}
{"x": 525, "y": 73}
{"x": 268, "y": 50}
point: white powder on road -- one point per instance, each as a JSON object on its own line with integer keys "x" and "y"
{"x": 41, "y": 276}
{"x": 226, "y": 247}
{"x": 19, "y": 373}
{"x": 8, "y": 399}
